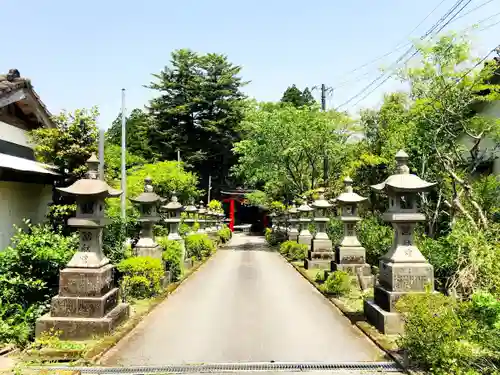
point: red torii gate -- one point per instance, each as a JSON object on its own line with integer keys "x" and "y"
{"x": 233, "y": 196}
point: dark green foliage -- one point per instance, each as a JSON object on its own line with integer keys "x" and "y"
{"x": 113, "y": 161}
{"x": 198, "y": 111}
{"x": 443, "y": 336}
{"x": 274, "y": 237}
{"x": 293, "y": 251}
{"x": 335, "y": 230}
{"x": 376, "y": 237}
{"x": 298, "y": 98}
{"x": 199, "y": 246}
{"x": 141, "y": 276}
{"x": 224, "y": 234}
{"x": 29, "y": 277}
{"x": 138, "y": 125}
{"x": 116, "y": 233}
{"x": 338, "y": 283}
{"x": 172, "y": 256}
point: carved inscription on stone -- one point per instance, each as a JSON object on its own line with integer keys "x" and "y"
{"x": 353, "y": 259}
{"x": 87, "y": 236}
{"x": 410, "y": 282}
{"x": 350, "y": 229}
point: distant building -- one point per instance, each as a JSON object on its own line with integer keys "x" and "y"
{"x": 25, "y": 185}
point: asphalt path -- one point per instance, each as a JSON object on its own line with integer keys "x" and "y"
{"x": 246, "y": 304}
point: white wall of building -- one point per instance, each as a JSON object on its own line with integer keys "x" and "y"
{"x": 13, "y": 134}
{"x": 20, "y": 201}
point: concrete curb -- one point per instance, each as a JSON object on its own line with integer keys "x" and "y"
{"x": 338, "y": 305}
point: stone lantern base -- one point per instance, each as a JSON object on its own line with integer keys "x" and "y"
{"x": 293, "y": 235}
{"x": 395, "y": 281}
{"x": 87, "y": 304}
{"x": 351, "y": 259}
{"x": 147, "y": 247}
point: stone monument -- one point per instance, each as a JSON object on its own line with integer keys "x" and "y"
{"x": 173, "y": 219}
{"x": 305, "y": 236}
{"x": 190, "y": 219}
{"x": 293, "y": 232}
{"x": 350, "y": 256}
{"x": 321, "y": 253}
{"x": 403, "y": 269}
{"x": 87, "y": 303}
{"x": 147, "y": 202}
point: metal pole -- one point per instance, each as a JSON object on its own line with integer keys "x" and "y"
{"x": 101, "y": 154}
{"x": 209, "y": 187}
{"x": 179, "y": 159}
{"x": 325, "y": 158}
{"x": 124, "y": 172}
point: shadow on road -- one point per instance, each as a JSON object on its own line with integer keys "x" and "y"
{"x": 250, "y": 247}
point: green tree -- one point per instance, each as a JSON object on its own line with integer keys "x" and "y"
{"x": 298, "y": 98}
{"x": 137, "y": 127}
{"x": 284, "y": 147}
{"x": 67, "y": 147}
{"x": 113, "y": 161}
{"x": 198, "y": 112}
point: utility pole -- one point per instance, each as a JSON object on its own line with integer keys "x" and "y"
{"x": 124, "y": 171}
{"x": 101, "y": 153}
{"x": 325, "y": 157}
{"x": 209, "y": 187}
{"x": 179, "y": 159}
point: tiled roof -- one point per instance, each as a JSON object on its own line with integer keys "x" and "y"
{"x": 12, "y": 81}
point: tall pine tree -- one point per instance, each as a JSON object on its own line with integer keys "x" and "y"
{"x": 296, "y": 97}
{"x": 198, "y": 112}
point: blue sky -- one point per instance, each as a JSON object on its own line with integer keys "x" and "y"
{"x": 80, "y": 54}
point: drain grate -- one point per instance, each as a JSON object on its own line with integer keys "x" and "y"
{"x": 234, "y": 367}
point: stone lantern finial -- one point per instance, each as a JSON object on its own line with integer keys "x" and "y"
{"x": 348, "y": 184}
{"x": 402, "y": 160}
{"x": 148, "y": 185}
{"x": 93, "y": 167}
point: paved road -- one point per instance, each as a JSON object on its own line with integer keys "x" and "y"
{"x": 246, "y": 304}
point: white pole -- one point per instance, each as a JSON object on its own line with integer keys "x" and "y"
{"x": 101, "y": 154}
{"x": 209, "y": 187}
{"x": 179, "y": 159}
{"x": 124, "y": 172}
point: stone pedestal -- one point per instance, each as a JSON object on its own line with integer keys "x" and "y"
{"x": 147, "y": 246}
{"x": 87, "y": 304}
{"x": 305, "y": 236}
{"x": 321, "y": 253}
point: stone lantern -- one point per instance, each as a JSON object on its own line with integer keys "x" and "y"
{"x": 403, "y": 269}
{"x": 272, "y": 216}
{"x": 190, "y": 219}
{"x": 173, "y": 209}
{"x": 293, "y": 233}
{"x": 321, "y": 253}
{"x": 350, "y": 256}
{"x": 87, "y": 303}
{"x": 305, "y": 236}
{"x": 202, "y": 218}
{"x": 148, "y": 202}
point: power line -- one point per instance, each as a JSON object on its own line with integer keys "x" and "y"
{"x": 400, "y": 47}
{"x": 394, "y": 65}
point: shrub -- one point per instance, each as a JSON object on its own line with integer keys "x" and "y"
{"x": 338, "y": 283}
{"x": 116, "y": 234}
{"x": 319, "y": 277}
{"x": 224, "y": 234}
{"x": 335, "y": 230}
{"x": 376, "y": 237}
{"x": 293, "y": 250}
{"x": 274, "y": 238}
{"x": 172, "y": 255}
{"x": 29, "y": 277}
{"x": 141, "y": 276}
{"x": 441, "y": 335}
{"x": 36, "y": 256}
{"x": 198, "y": 245}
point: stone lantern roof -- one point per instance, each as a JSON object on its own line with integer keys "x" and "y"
{"x": 304, "y": 207}
{"x": 403, "y": 181}
{"x": 91, "y": 185}
{"x": 293, "y": 209}
{"x": 349, "y": 196}
{"x": 201, "y": 209}
{"x": 148, "y": 195}
{"x": 321, "y": 202}
{"x": 173, "y": 204}
{"x": 191, "y": 208}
